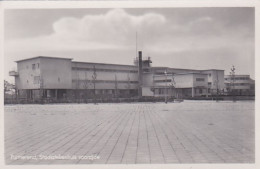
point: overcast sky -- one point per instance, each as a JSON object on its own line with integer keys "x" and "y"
{"x": 196, "y": 38}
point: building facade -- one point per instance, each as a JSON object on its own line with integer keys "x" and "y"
{"x": 58, "y": 78}
{"x": 239, "y": 85}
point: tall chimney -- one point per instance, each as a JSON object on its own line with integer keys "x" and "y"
{"x": 140, "y": 74}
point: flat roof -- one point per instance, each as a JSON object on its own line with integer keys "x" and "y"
{"x": 48, "y": 57}
{"x": 212, "y": 69}
{"x": 172, "y": 68}
{"x": 237, "y": 75}
{"x": 183, "y": 73}
{"x": 102, "y": 63}
{"x": 184, "y": 69}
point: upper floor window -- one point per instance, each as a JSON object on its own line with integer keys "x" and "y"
{"x": 38, "y": 65}
{"x": 200, "y": 79}
{"x": 209, "y": 74}
{"x": 36, "y": 79}
{"x": 33, "y": 66}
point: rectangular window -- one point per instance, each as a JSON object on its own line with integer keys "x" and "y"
{"x": 36, "y": 79}
{"x": 200, "y": 79}
{"x": 38, "y": 65}
{"x": 33, "y": 66}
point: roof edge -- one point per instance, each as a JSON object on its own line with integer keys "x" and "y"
{"x": 48, "y": 57}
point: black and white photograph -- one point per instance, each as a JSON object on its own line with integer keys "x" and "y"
{"x": 129, "y": 85}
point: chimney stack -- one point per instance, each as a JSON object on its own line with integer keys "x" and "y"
{"x": 140, "y": 74}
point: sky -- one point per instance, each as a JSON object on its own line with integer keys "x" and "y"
{"x": 195, "y": 38}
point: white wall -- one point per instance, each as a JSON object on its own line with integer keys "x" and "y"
{"x": 25, "y": 80}
{"x": 56, "y": 73}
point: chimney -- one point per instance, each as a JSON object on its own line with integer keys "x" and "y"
{"x": 140, "y": 74}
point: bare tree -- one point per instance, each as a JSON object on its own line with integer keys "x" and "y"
{"x": 77, "y": 86}
{"x": 128, "y": 85}
{"x": 86, "y": 86}
{"x": 5, "y": 86}
{"x": 116, "y": 87}
{"x": 94, "y": 78}
{"x": 41, "y": 89}
{"x": 232, "y": 75}
{"x": 172, "y": 85}
{"x": 153, "y": 87}
{"x": 216, "y": 83}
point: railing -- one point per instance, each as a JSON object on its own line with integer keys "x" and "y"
{"x": 13, "y": 73}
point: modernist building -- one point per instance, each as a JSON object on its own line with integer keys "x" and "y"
{"x": 52, "y": 77}
{"x": 239, "y": 85}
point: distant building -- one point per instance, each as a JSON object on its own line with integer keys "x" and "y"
{"x": 239, "y": 85}
{"x": 51, "y": 77}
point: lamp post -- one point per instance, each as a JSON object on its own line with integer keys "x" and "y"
{"x": 165, "y": 94}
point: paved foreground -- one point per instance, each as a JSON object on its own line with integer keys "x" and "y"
{"x": 188, "y": 132}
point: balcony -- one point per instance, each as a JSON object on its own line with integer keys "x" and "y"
{"x": 13, "y": 73}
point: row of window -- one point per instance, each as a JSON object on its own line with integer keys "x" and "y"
{"x": 238, "y": 84}
{"x": 35, "y": 66}
{"x": 104, "y": 70}
{"x": 104, "y": 81}
{"x": 161, "y": 81}
{"x": 200, "y": 79}
{"x": 238, "y": 78}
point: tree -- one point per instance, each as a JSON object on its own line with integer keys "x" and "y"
{"x": 172, "y": 85}
{"x": 116, "y": 87}
{"x": 128, "y": 85}
{"x": 232, "y": 78}
{"x": 153, "y": 87}
{"x": 41, "y": 89}
{"x": 77, "y": 86}
{"x": 86, "y": 86}
{"x": 94, "y": 78}
{"x": 216, "y": 83}
{"x": 5, "y": 86}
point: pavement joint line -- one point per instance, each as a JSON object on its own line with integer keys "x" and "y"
{"x": 107, "y": 121}
{"x": 123, "y": 117}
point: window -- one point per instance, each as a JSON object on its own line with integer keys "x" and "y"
{"x": 209, "y": 74}
{"x": 36, "y": 79}
{"x": 200, "y": 91}
{"x": 200, "y": 79}
{"x": 58, "y": 79}
{"x": 33, "y": 66}
{"x": 38, "y": 65}
{"x": 209, "y": 83}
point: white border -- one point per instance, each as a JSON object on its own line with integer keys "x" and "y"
{"x": 135, "y": 4}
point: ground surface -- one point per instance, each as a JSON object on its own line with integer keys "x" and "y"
{"x": 188, "y": 132}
